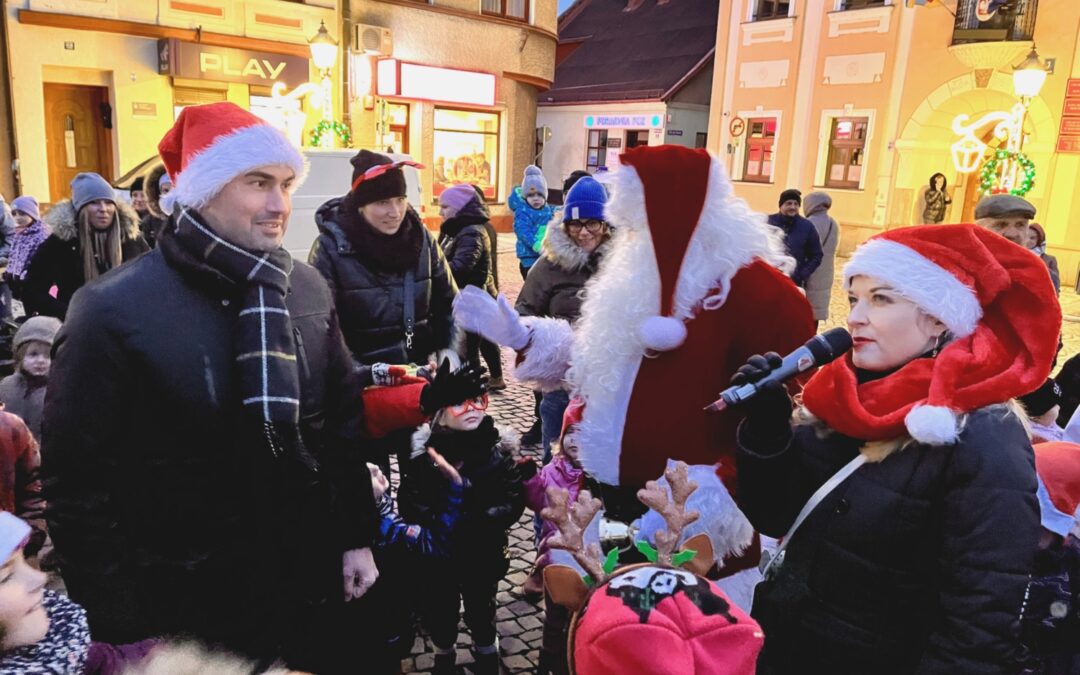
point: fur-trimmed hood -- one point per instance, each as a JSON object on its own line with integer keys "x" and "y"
{"x": 509, "y": 440}
{"x": 560, "y": 249}
{"x": 153, "y": 191}
{"x": 63, "y": 222}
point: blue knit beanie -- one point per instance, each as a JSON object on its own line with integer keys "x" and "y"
{"x": 585, "y": 201}
{"x": 534, "y": 180}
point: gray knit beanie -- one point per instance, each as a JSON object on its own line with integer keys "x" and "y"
{"x": 89, "y": 187}
{"x": 534, "y": 180}
{"x": 36, "y": 328}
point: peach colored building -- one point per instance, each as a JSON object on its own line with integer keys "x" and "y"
{"x": 859, "y": 97}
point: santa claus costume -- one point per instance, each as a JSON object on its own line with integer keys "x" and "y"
{"x": 693, "y": 285}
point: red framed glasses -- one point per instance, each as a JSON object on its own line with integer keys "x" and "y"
{"x": 480, "y": 404}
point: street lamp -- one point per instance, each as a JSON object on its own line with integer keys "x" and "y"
{"x": 1029, "y": 77}
{"x": 324, "y": 51}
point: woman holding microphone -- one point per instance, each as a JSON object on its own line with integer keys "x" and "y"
{"x": 904, "y": 484}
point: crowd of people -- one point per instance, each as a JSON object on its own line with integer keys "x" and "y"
{"x": 198, "y": 438}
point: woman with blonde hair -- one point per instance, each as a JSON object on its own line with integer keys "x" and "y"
{"x": 92, "y": 233}
{"x": 904, "y": 488}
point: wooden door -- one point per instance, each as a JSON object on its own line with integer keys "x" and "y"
{"x": 76, "y": 139}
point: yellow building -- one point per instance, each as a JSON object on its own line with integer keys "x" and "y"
{"x": 95, "y": 84}
{"x": 860, "y": 97}
{"x": 454, "y": 84}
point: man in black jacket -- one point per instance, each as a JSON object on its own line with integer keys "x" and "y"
{"x": 203, "y": 427}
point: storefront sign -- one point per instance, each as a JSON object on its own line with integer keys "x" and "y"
{"x": 225, "y": 64}
{"x": 1069, "y": 133}
{"x": 674, "y": 132}
{"x": 614, "y": 142}
{"x": 623, "y": 121}
{"x": 429, "y": 83}
{"x": 1070, "y": 126}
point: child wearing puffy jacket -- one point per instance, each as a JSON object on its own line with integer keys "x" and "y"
{"x": 528, "y": 201}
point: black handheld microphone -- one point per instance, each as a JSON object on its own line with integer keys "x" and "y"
{"x": 818, "y": 351}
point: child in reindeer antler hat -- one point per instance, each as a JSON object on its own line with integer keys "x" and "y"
{"x": 657, "y": 617}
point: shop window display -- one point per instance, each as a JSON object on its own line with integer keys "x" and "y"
{"x": 466, "y": 150}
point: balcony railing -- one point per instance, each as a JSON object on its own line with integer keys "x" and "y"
{"x": 1013, "y": 22}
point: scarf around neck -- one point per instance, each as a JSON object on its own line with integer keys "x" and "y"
{"x": 867, "y": 408}
{"x": 64, "y": 648}
{"x": 386, "y": 252}
{"x": 23, "y": 246}
{"x": 263, "y": 342}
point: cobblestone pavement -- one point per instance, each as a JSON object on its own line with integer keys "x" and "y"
{"x": 520, "y": 622}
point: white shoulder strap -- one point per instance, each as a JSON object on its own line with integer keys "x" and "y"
{"x": 812, "y": 503}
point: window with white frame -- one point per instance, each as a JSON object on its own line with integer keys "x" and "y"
{"x": 847, "y": 152}
{"x": 859, "y": 4}
{"x": 760, "y": 147}
{"x": 771, "y": 9}
{"x": 512, "y": 9}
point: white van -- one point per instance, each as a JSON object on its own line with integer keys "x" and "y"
{"x": 330, "y": 176}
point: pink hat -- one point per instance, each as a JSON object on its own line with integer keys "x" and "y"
{"x": 649, "y": 619}
{"x": 456, "y": 197}
{"x": 211, "y": 144}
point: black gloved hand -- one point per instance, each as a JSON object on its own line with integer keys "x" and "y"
{"x": 768, "y": 413}
{"x": 527, "y": 467}
{"x": 467, "y": 382}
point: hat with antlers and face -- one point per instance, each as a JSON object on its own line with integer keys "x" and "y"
{"x": 661, "y": 616}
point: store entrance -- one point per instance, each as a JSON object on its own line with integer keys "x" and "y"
{"x": 76, "y": 137}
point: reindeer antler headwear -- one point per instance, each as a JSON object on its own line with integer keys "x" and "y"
{"x": 657, "y": 597}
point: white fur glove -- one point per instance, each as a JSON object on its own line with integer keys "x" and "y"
{"x": 477, "y": 312}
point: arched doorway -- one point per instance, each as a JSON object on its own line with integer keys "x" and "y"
{"x": 924, "y": 146}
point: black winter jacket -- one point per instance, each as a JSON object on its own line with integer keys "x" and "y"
{"x": 494, "y": 500}
{"x": 58, "y": 261}
{"x": 169, "y": 517}
{"x": 915, "y": 564}
{"x": 555, "y": 285}
{"x": 465, "y": 242}
{"x": 371, "y": 302}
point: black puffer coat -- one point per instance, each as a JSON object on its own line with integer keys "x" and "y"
{"x": 494, "y": 500}
{"x": 915, "y": 564}
{"x": 371, "y": 302}
{"x": 555, "y": 285}
{"x": 58, "y": 261}
{"x": 468, "y": 248}
{"x": 168, "y": 515}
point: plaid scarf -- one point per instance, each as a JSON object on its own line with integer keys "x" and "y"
{"x": 264, "y": 344}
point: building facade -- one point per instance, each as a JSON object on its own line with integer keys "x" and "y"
{"x": 453, "y": 83}
{"x": 862, "y": 98}
{"x": 95, "y": 84}
{"x": 627, "y": 74}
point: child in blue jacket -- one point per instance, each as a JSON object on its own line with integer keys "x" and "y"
{"x": 531, "y": 215}
{"x": 403, "y": 550}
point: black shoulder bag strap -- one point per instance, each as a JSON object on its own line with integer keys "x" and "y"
{"x": 410, "y": 308}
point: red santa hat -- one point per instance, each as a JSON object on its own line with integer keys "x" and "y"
{"x": 677, "y": 184}
{"x": 211, "y": 144}
{"x": 1058, "y": 466}
{"x": 995, "y": 298}
{"x": 573, "y": 414}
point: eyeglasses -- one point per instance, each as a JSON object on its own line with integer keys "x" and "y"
{"x": 593, "y": 226}
{"x": 480, "y": 404}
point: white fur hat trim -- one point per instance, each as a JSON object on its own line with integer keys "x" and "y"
{"x": 916, "y": 277}
{"x": 932, "y": 425}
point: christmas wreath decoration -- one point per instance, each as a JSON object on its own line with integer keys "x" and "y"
{"x": 331, "y": 126}
{"x": 988, "y": 177}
